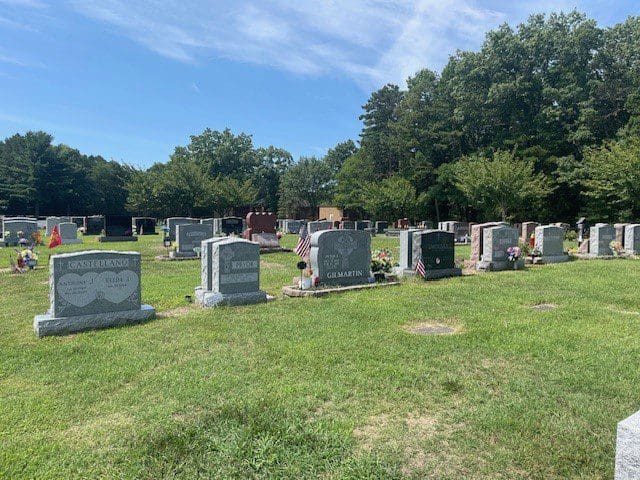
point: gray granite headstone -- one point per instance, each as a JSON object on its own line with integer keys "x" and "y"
{"x": 628, "y": 449}
{"x": 173, "y": 222}
{"x": 341, "y": 257}
{"x": 632, "y": 239}
{"x": 69, "y": 233}
{"x": 92, "y": 289}
{"x": 407, "y": 260}
{"x": 190, "y": 236}
{"x": 437, "y": 250}
{"x": 496, "y": 242}
{"x": 549, "y": 241}
{"x": 12, "y": 226}
{"x": 319, "y": 225}
{"x": 293, "y": 226}
{"x": 230, "y": 273}
{"x": 55, "y": 221}
{"x": 600, "y": 238}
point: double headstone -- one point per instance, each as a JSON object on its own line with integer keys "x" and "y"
{"x": 172, "y": 222}
{"x": 55, "y": 222}
{"x": 549, "y": 242}
{"x": 118, "y": 228}
{"x": 632, "y": 239}
{"x": 92, "y": 289}
{"x": 144, "y": 225}
{"x": 230, "y": 273}
{"x": 341, "y": 257}
{"x": 69, "y": 233}
{"x": 15, "y": 228}
{"x": 600, "y": 238}
{"x": 495, "y": 245}
{"x": 436, "y": 248}
{"x": 189, "y": 236}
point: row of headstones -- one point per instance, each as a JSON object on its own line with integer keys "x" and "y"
{"x": 602, "y": 234}
{"x": 294, "y": 226}
{"x": 95, "y": 289}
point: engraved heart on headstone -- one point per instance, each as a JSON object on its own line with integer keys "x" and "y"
{"x": 117, "y": 287}
{"x": 77, "y": 290}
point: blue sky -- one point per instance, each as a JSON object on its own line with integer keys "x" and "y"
{"x": 131, "y": 79}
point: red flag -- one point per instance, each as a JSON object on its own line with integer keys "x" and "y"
{"x": 55, "y": 238}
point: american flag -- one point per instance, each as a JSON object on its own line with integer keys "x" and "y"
{"x": 304, "y": 242}
{"x": 420, "y": 267}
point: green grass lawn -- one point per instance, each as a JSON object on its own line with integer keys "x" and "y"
{"x": 332, "y": 387}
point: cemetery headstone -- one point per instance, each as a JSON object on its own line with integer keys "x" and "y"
{"x": 436, "y": 248}
{"x": 230, "y": 273}
{"x": 407, "y": 261}
{"x": 319, "y": 225}
{"x": 628, "y": 449}
{"x": 188, "y": 237}
{"x": 173, "y": 222}
{"x": 348, "y": 225}
{"x": 55, "y": 222}
{"x": 528, "y": 229}
{"x": 144, "y": 225}
{"x": 231, "y": 226}
{"x": 549, "y": 243}
{"x": 477, "y": 239}
{"x": 92, "y": 289}
{"x": 363, "y": 224}
{"x": 79, "y": 221}
{"x": 402, "y": 223}
{"x": 14, "y": 228}
{"x": 293, "y": 226}
{"x": 620, "y": 227}
{"x": 69, "y": 233}
{"x": 381, "y": 226}
{"x": 632, "y": 239}
{"x": 261, "y": 228}
{"x": 93, "y": 225}
{"x": 341, "y": 257}
{"x": 118, "y": 228}
{"x": 600, "y": 238}
{"x": 496, "y": 242}
{"x": 583, "y": 229}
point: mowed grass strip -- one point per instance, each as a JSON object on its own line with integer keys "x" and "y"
{"x": 334, "y": 387}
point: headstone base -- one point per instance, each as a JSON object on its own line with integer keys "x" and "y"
{"x": 500, "y": 266}
{"x": 182, "y": 255}
{"x": 45, "y": 325}
{"x": 76, "y": 241}
{"x": 546, "y": 259}
{"x": 431, "y": 274}
{"x": 628, "y": 448}
{"x": 210, "y": 299}
{"x": 104, "y": 239}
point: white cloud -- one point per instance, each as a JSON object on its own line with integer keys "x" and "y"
{"x": 370, "y": 41}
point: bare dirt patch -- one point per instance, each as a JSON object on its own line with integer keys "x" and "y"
{"x": 428, "y": 328}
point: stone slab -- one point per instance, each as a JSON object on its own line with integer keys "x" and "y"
{"x": 209, "y": 299}
{"x": 628, "y": 449}
{"x": 296, "y": 292}
{"x": 47, "y": 324}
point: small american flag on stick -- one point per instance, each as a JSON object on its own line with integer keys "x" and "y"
{"x": 420, "y": 267}
{"x": 304, "y": 242}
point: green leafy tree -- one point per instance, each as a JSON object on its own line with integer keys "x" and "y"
{"x": 503, "y": 185}
{"x": 304, "y": 187}
{"x": 613, "y": 181}
{"x": 391, "y": 198}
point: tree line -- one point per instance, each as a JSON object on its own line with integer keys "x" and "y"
{"x": 542, "y": 122}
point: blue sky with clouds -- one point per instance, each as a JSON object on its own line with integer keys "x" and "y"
{"x": 131, "y": 79}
